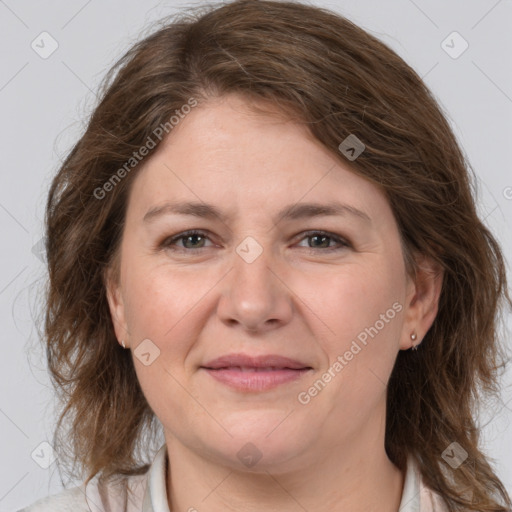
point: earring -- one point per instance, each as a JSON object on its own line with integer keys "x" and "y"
{"x": 122, "y": 343}
{"x": 413, "y": 338}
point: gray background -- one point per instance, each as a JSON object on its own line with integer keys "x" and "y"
{"x": 45, "y": 102}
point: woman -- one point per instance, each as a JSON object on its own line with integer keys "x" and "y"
{"x": 266, "y": 245}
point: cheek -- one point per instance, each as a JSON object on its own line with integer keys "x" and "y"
{"x": 167, "y": 306}
{"x": 364, "y": 315}
{"x": 361, "y": 310}
{"x": 158, "y": 298}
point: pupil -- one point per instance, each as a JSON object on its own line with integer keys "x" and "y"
{"x": 323, "y": 237}
{"x": 193, "y": 237}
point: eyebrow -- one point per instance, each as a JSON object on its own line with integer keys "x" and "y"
{"x": 291, "y": 212}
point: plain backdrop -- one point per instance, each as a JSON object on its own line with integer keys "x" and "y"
{"x": 45, "y": 100}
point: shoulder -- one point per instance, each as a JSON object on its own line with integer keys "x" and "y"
{"x": 417, "y": 496}
{"x": 122, "y": 494}
{"x": 430, "y": 500}
{"x": 433, "y": 501}
{"x": 69, "y": 500}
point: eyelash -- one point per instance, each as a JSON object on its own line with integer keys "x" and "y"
{"x": 170, "y": 241}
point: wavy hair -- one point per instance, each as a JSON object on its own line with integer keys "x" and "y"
{"x": 323, "y": 71}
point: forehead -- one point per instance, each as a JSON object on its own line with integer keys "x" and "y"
{"x": 225, "y": 153}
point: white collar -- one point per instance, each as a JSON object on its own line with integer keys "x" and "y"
{"x": 410, "y": 501}
{"x": 155, "y": 495}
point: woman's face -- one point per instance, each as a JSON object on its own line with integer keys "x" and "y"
{"x": 270, "y": 276}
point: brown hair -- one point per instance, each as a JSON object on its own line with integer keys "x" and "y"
{"x": 319, "y": 69}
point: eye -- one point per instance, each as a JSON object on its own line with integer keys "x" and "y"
{"x": 195, "y": 239}
{"x": 321, "y": 241}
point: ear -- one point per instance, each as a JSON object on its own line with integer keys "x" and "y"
{"x": 117, "y": 307}
{"x": 422, "y": 301}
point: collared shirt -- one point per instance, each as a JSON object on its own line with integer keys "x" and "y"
{"x": 148, "y": 493}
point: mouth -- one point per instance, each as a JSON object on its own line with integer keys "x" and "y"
{"x": 246, "y": 373}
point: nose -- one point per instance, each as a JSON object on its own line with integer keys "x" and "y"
{"x": 254, "y": 294}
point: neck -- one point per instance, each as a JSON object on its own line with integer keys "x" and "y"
{"x": 356, "y": 475}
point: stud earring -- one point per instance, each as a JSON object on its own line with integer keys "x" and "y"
{"x": 413, "y": 338}
{"x": 122, "y": 343}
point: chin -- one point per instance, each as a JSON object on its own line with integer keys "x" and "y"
{"x": 260, "y": 441}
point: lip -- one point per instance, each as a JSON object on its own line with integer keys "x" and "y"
{"x": 260, "y": 373}
{"x": 244, "y": 360}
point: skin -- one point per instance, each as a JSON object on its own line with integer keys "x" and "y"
{"x": 203, "y": 300}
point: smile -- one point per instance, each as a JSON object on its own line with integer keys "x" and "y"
{"x": 255, "y": 379}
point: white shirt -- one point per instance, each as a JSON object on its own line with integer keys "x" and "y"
{"x": 149, "y": 493}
